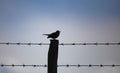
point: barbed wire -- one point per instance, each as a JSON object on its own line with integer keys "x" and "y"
{"x": 108, "y": 43}
{"x": 67, "y": 65}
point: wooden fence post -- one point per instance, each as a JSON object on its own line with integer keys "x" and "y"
{"x": 53, "y": 56}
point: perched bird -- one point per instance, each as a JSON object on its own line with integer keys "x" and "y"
{"x": 53, "y": 35}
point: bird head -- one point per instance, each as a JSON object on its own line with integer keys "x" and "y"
{"x": 58, "y": 31}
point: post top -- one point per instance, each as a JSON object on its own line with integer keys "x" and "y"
{"x": 54, "y": 40}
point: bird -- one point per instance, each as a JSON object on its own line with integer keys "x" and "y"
{"x": 53, "y": 35}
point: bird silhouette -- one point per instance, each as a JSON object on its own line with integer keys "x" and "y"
{"x": 53, "y": 35}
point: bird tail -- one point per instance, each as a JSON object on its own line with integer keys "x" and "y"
{"x": 46, "y": 34}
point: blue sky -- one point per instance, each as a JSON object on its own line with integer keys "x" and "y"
{"x": 78, "y": 21}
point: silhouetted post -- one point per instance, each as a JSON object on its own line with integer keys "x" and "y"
{"x": 53, "y": 56}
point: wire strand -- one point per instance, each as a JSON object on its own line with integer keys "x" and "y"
{"x": 108, "y": 43}
{"x": 67, "y": 65}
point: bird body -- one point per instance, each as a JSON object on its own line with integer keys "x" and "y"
{"x": 53, "y": 35}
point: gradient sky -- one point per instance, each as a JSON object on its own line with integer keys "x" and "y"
{"x": 78, "y": 21}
